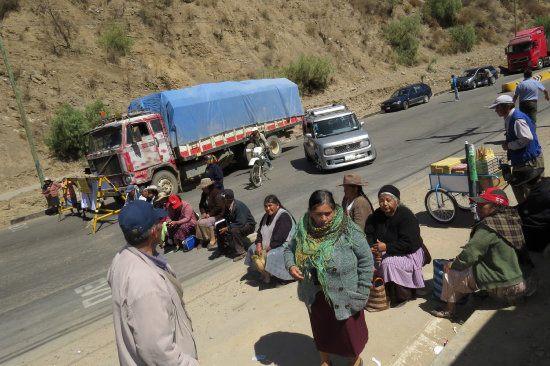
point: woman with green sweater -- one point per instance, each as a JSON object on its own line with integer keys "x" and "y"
{"x": 495, "y": 259}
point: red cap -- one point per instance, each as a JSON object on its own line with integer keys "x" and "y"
{"x": 174, "y": 201}
{"x": 492, "y": 194}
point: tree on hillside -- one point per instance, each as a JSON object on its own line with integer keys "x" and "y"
{"x": 444, "y": 11}
{"x": 403, "y": 37}
{"x": 66, "y": 139}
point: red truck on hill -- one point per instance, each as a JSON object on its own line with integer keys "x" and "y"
{"x": 528, "y": 50}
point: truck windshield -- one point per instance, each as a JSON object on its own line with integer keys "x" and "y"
{"x": 518, "y": 48}
{"x": 104, "y": 139}
{"x": 337, "y": 125}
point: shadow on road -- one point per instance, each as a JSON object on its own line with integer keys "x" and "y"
{"x": 286, "y": 349}
{"x": 464, "y": 219}
{"x": 452, "y": 138}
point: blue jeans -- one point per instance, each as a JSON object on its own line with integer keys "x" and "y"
{"x": 456, "y": 94}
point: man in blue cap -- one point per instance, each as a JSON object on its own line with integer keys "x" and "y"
{"x": 151, "y": 324}
{"x": 132, "y": 194}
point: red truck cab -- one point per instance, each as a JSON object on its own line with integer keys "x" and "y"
{"x": 131, "y": 150}
{"x": 527, "y": 50}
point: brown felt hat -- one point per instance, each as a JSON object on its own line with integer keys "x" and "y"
{"x": 205, "y": 182}
{"x": 353, "y": 180}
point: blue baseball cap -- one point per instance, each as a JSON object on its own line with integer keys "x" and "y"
{"x": 130, "y": 188}
{"x": 139, "y": 216}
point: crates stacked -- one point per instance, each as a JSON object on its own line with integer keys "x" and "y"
{"x": 491, "y": 166}
{"x": 445, "y": 166}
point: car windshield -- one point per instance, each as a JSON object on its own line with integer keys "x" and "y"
{"x": 337, "y": 125}
{"x": 468, "y": 73}
{"x": 400, "y": 93}
{"x": 518, "y": 47}
{"x": 104, "y": 139}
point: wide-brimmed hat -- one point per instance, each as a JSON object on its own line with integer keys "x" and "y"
{"x": 492, "y": 194}
{"x": 151, "y": 188}
{"x": 205, "y": 182}
{"x": 503, "y": 99}
{"x": 161, "y": 196}
{"x": 525, "y": 174}
{"x": 46, "y": 179}
{"x": 353, "y": 180}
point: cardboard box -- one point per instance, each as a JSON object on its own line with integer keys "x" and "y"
{"x": 445, "y": 166}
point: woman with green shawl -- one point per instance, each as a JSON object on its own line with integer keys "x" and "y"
{"x": 332, "y": 261}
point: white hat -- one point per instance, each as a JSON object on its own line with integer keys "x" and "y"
{"x": 254, "y": 129}
{"x": 151, "y": 187}
{"x": 503, "y": 99}
{"x": 47, "y": 179}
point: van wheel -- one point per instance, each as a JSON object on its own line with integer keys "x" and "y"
{"x": 166, "y": 182}
{"x": 308, "y": 158}
{"x": 275, "y": 146}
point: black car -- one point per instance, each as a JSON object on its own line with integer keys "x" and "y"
{"x": 404, "y": 97}
{"x": 472, "y": 78}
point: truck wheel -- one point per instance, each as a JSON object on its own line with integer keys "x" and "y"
{"x": 540, "y": 64}
{"x": 275, "y": 144}
{"x": 166, "y": 182}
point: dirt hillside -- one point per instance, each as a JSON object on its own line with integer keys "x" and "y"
{"x": 55, "y": 58}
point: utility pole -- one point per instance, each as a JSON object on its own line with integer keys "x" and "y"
{"x": 515, "y": 26}
{"x": 22, "y": 112}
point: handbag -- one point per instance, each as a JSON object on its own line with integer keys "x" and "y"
{"x": 378, "y": 300}
{"x": 189, "y": 243}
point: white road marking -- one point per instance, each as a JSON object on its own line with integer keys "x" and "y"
{"x": 94, "y": 292}
{"x": 19, "y": 227}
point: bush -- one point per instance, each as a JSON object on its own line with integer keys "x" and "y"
{"x": 403, "y": 38}
{"x": 7, "y": 6}
{"x": 463, "y": 38}
{"x": 311, "y": 73}
{"x": 542, "y": 21}
{"x": 66, "y": 138}
{"x": 92, "y": 112}
{"x": 115, "y": 40}
{"x": 444, "y": 11}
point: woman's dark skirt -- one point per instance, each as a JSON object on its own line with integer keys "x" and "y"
{"x": 345, "y": 338}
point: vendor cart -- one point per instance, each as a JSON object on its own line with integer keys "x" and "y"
{"x": 450, "y": 191}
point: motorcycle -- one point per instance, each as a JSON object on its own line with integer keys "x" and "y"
{"x": 257, "y": 162}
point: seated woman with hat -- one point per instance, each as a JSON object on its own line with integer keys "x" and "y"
{"x": 212, "y": 208}
{"x": 394, "y": 236}
{"x": 495, "y": 258}
{"x": 535, "y": 210}
{"x": 355, "y": 203}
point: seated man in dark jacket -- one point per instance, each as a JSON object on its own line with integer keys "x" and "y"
{"x": 535, "y": 210}
{"x": 240, "y": 223}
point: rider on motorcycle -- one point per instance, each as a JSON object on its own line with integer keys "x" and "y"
{"x": 259, "y": 140}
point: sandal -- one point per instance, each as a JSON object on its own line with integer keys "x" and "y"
{"x": 443, "y": 314}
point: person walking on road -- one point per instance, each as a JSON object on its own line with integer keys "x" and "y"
{"x": 152, "y": 326}
{"x": 522, "y": 144}
{"x": 528, "y": 93}
{"x": 455, "y": 87}
{"x": 332, "y": 261}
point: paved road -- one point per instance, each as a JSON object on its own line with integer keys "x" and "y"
{"x": 53, "y": 272}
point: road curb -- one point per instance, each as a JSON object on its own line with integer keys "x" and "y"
{"x": 510, "y": 87}
{"x": 26, "y": 217}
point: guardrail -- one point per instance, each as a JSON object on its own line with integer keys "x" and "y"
{"x": 510, "y": 87}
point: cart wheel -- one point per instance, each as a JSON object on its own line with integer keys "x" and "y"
{"x": 441, "y": 206}
{"x": 462, "y": 200}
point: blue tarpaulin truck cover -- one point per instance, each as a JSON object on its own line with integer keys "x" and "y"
{"x": 208, "y": 109}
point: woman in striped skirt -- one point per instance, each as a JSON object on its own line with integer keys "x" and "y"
{"x": 394, "y": 236}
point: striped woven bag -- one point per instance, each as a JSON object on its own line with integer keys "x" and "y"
{"x": 378, "y": 300}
